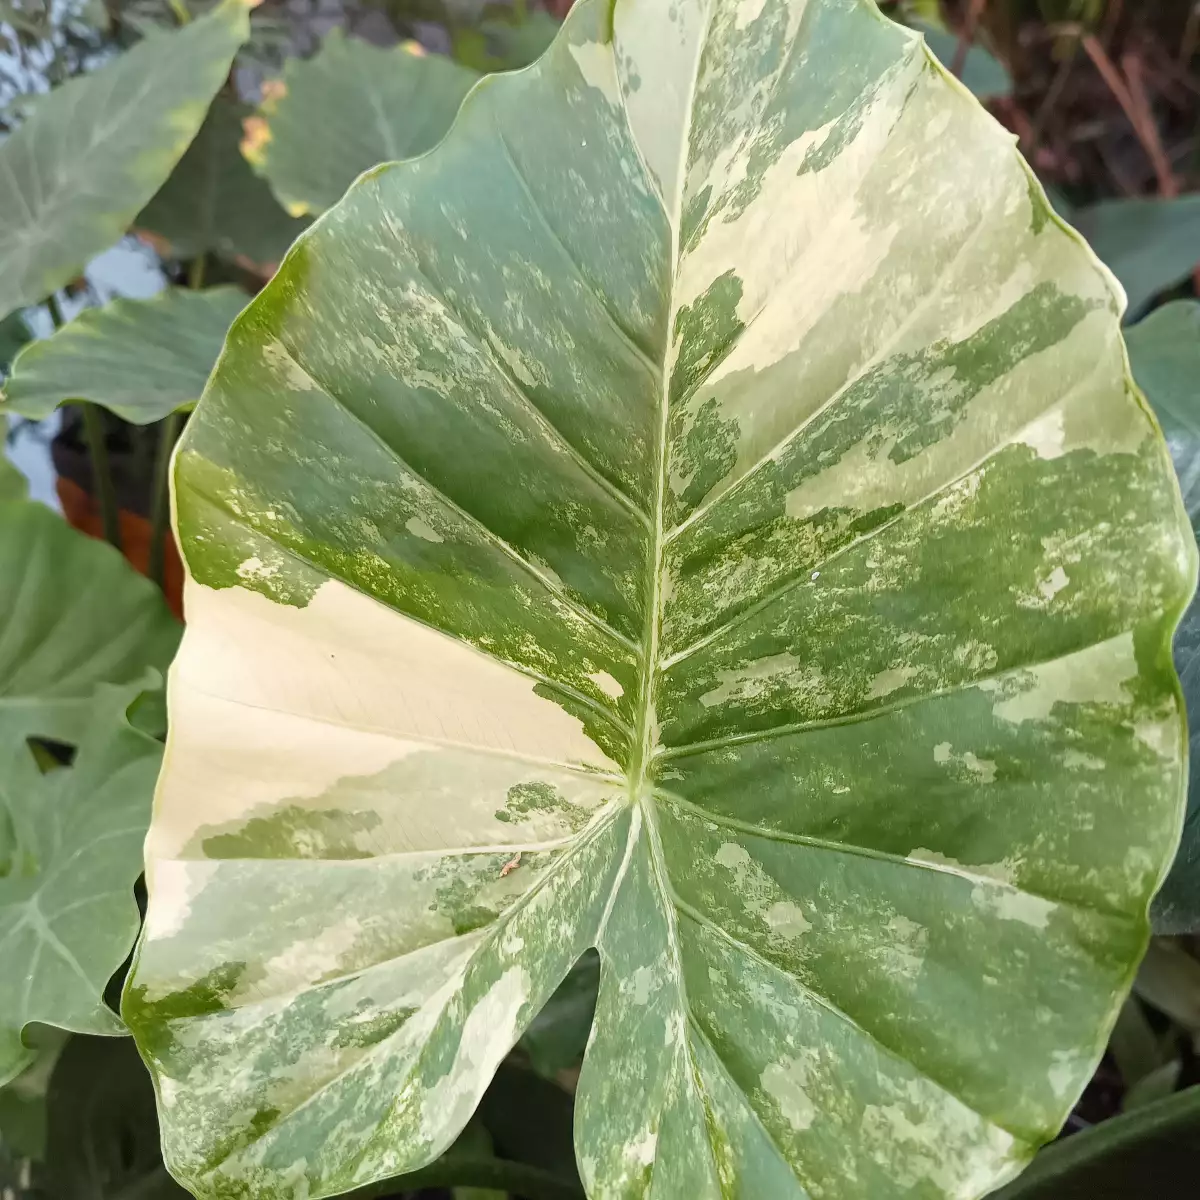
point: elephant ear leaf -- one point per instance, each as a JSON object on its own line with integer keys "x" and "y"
{"x": 699, "y": 511}
{"x": 79, "y": 169}
{"x": 141, "y": 359}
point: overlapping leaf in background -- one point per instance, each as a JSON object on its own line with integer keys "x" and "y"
{"x": 667, "y": 518}
{"x": 79, "y": 632}
{"x": 1151, "y": 1152}
{"x": 79, "y": 169}
{"x": 346, "y": 110}
{"x": 75, "y": 616}
{"x": 140, "y": 359}
{"x": 1150, "y": 244}
{"x": 215, "y": 203}
{"x": 1165, "y": 352}
{"x": 70, "y": 851}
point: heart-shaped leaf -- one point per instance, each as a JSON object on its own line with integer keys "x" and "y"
{"x": 215, "y": 203}
{"x": 70, "y": 852}
{"x": 141, "y": 359}
{"x": 1165, "y": 352}
{"x": 699, "y": 511}
{"x": 346, "y": 110}
{"x": 77, "y": 172}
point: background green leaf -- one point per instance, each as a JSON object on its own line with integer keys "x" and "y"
{"x": 69, "y": 856}
{"x": 102, "y": 1136}
{"x": 77, "y": 172}
{"x": 1150, "y": 244}
{"x": 348, "y": 109}
{"x": 23, "y": 1100}
{"x": 141, "y": 359}
{"x": 1150, "y": 1152}
{"x": 75, "y": 615}
{"x": 12, "y": 483}
{"x": 215, "y": 203}
{"x": 505, "y": 43}
{"x": 557, "y": 1036}
{"x": 982, "y": 71}
{"x": 1165, "y": 352}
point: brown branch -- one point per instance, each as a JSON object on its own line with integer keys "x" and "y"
{"x": 967, "y": 36}
{"x": 1112, "y": 18}
{"x": 1146, "y": 127}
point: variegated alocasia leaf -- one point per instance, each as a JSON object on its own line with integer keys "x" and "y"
{"x": 215, "y": 203}
{"x": 1164, "y": 350}
{"x": 75, "y": 174}
{"x": 70, "y": 853}
{"x": 346, "y": 110}
{"x": 699, "y": 511}
{"x": 141, "y": 359}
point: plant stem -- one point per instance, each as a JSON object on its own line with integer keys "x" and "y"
{"x": 180, "y": 9}
{"x": 93, "y": 428}
{"x": 102, "y": 481}
{"x": 56, "y": 313}
{"x": 498, "y": 1174}
{"x": 168, "y": 435}
{"x": 195, "y": 276}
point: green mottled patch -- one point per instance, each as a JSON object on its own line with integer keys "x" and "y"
{"x": 372, "y": 1028}
{"x": 528, "y": 798}
{"x": 207, "y": 995}
{"x": 295, "y": 832}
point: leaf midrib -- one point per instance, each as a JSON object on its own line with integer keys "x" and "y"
{"x": 643, "y": 752}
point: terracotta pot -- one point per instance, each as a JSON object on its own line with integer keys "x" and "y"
{"x": 131, "y": 453}
{"x": 83, "y": 513}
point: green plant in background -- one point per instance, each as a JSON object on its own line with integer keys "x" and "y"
{"x": 683, "y": 561}
{"x": 347, "y": 109}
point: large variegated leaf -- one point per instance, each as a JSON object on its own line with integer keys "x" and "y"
{"x": 95, "y": 150}
{"x": 1165, "y": 353}
{"x": 215, "y": 203}
{"x": 698, "y": 511}
{"x": 142, "y": 359}
{"x": 348, "y": 109}
{"x": 71, "y": 843}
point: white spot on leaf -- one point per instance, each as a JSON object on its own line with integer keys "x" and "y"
{"x": 784, "y": 1082}
{"x": 607, "y": 684}
{"x": 419, "y": 528}
{"x": 596, "y": 65}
